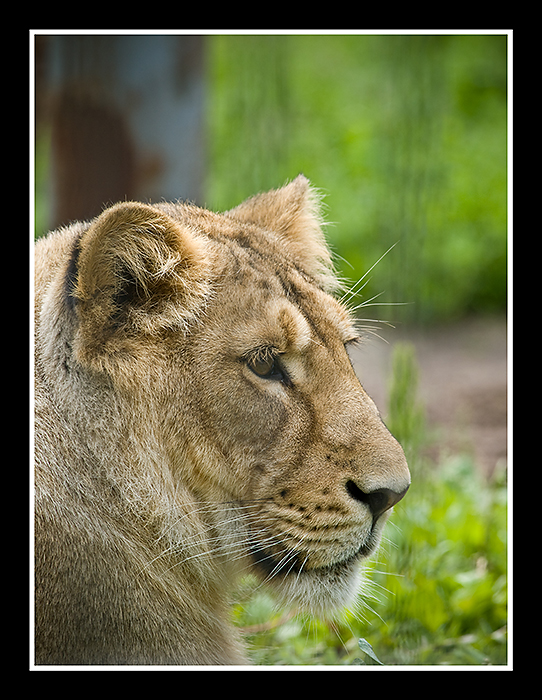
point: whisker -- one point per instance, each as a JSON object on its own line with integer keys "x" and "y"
{"x": 387, "y": 573}
{"x": 376, "y": 320}
{"x": 368, "y": 607}
{"x": 207, "y": 509}
{"x": 335, "y": 629}
{"x": 381, "y": 303}
{"x": 372, "y": 331}
{"x": 301, "y": 568}
{"x": 235, "y": 548}
{"x": 237, "y": 512}
{"x": 352, "y": 291}
{"x": 289, "y": 555}
{"x": 366, "y": 303}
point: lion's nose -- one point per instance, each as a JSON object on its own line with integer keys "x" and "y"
{"x": 378, "y": 501}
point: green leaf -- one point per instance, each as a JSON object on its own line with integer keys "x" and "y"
{"x": 368, "y": 649}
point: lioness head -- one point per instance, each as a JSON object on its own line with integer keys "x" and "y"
{"x": 219, "y": 391}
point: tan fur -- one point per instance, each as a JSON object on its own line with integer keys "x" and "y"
{"x": 166, "y": 464}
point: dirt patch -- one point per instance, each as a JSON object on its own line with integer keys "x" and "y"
{"x": 463, "y": 383}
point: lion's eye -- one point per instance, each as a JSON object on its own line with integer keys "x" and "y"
{"x": 267, "y": 367}
{"x": 264, "y": 366}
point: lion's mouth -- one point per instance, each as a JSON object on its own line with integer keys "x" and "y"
{"x": 274, "y": 564}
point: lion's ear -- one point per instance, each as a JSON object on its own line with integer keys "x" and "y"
{"x": 138, "y": 272}
{"x": 293, "y": 212}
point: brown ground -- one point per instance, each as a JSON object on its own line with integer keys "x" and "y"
{"x": 463, "y": 383}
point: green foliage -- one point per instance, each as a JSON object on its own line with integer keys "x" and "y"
{"x": 366, "y": 648}
{"x": 406, "y": 417}
{"x": 406, "y": 136}
{"x": 435, "y": 594}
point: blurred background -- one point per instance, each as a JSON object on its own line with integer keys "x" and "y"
{"x": 404, "y": 135}
{"x": 406, "y": 138}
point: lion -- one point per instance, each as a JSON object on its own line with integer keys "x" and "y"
{"x": 197, "y": 417}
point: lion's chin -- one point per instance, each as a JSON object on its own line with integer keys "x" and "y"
{"x": 321, "y": 591}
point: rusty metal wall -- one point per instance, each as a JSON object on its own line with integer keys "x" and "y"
{"x": 126, "y": 117}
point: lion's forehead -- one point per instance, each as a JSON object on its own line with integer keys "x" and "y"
{"x": 316, "y": 318}
{"x": 280, "y": 305}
